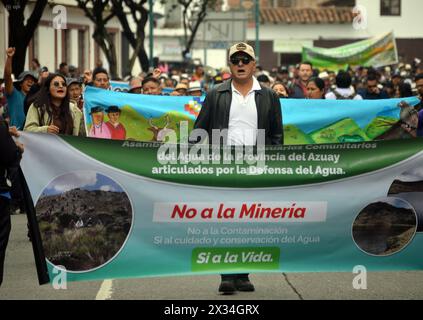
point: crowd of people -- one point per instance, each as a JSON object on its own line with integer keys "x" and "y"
{"x": 42, "y": 101}
{"x": 52, "y": 102}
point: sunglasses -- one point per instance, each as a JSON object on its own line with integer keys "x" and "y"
{"x": 236, "y": 60}
{"x": 56, "y": 84}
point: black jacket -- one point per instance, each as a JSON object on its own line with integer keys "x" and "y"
{"x": 10, "y": 154}
{"x": 214, "y": 113}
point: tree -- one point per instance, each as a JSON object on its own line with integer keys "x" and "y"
{"x": 100, "y": 13}
{"x": 20, "y": 34}
{"x": 140, "y": 16}
{"x": 193, "y": 14}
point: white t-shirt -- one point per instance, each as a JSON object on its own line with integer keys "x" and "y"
{"x": 345, "y": 92}
{"x": 242, "y": 129}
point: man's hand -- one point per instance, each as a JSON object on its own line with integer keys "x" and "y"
{"x": 156, "y": 73}
{"x": 53, "y": 129}
{"x": 10, "y": 52}
{"x": 14, "y": 132}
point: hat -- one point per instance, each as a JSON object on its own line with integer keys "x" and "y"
{"x": 113, "y": 109}
{"x": 135, "y": 83}
{"x": 226, "y": 76}
{"x": 70, "y": 81}
{"x": 282, "y": 70}
{"x": 194, "y": 86}
{"x": 96, "y": 109}
{"x": 25, "y": 74}
{"x": 242, "y": 47}
{"x": 218, "y": 79}
{"x": 324, "y": 75}
{"x": 180, "y": 86}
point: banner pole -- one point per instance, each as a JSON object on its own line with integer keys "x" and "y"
{"x": 34, "y": 231}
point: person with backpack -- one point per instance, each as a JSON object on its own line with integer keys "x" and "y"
{"x": 343, "y": 89}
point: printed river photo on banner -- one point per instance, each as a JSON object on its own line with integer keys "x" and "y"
{"x": 110, "y": 209}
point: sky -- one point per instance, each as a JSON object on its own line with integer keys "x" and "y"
{"x": 86, "y": 180}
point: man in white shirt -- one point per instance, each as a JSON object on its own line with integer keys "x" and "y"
{"x": 242, "y": 106}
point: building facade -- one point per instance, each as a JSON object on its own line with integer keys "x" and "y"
{"x": 287, "y": 25}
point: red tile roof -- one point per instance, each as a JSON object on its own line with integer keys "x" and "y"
{"x": 307, "y": 16}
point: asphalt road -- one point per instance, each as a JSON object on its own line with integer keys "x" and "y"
{"x": 20, "y": 282}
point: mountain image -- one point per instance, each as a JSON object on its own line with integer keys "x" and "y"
{"x": 399, "y": 186}
{"x": 83, "y": 229}
{"x": 411, "y": 191}
{"x": 383, "y": 228}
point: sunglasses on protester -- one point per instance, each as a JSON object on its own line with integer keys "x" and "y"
{"x": 236, "y": 60}
{"x": 56, "y": 84}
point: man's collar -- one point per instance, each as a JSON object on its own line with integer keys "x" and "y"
{"x": 256, "y": 86}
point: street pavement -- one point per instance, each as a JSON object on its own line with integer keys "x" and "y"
{"x": 20, "y": 282}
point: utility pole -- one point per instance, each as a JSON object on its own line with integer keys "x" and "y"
{"x": 151, "y": 37}
{"x": 257, "y": 15}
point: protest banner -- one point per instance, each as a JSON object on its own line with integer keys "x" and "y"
{"x": 150, "y": 118}
{"x": 373, "y": 52}
{"x": 123, "y": 209}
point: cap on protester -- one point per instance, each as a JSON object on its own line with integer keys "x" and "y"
{"x": 113, "y": 109}
{"x": 70, "y": 81}
{"x": 96, "y": 109}
{"x": 194, "y": 86}
{"x": 99, "y": 70}
{"x": 396, "y": 75}
{"x": 242, "y": 47}
{"x": 25, "y": 74}
{"x": 324, "y": 75}
{"x": 282, "y": 70}
{"x": 218, "y": 79}
{"x": 181, "y": 86}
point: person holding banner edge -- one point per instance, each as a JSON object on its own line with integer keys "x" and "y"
{"x": 11, "y": 155}
{"x": 242, "y": 106}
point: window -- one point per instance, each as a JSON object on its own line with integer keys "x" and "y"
{"x": 390, "y": 7}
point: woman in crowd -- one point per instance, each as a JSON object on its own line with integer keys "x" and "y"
{"x": 52, "y": 112}
{"x": 316, "y": 89}
{"x": 280, "y": 89}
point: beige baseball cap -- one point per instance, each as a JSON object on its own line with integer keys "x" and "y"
{"x": 242, "y": 47}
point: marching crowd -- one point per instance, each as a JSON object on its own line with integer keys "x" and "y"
{"x": 51, "y": 102}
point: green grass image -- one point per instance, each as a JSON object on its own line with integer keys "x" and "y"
{"x": 294, "y": 136}
{"x": 345, "y": 130}
{"x": 379, "y": 126}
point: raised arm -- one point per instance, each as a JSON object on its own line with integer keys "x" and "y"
{"x": 8, "y": 83}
